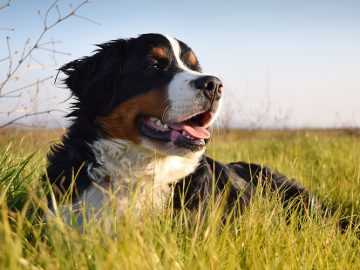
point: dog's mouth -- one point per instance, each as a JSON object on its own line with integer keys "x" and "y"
{"x": 191, "y": 133}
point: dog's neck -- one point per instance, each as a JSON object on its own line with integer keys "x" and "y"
{"x": 122, "y": 160}
{"x": 131, "y": 167}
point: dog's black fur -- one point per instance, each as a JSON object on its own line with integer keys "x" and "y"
{"x": 114, "y": 75}
{"x": 211, "y": 178}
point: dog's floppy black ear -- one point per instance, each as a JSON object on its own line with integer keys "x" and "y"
{"x": 94, "y": 79}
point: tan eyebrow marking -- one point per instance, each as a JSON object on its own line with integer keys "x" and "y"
{"x": 159, "y": 52}
{"x": 192, "y": 59}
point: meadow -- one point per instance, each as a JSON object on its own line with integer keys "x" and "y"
{"x": 327, "y": 162}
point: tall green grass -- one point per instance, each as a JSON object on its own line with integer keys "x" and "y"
{"x": 263, "y": 237}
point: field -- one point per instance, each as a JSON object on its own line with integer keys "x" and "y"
{"x": 326, "y": 161}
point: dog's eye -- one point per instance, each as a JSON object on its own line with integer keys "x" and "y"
{"x": 154, "y": 67}
{"x": 159, "y": 65}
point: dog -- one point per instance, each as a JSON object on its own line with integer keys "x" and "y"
{"x": 141, "y": 122}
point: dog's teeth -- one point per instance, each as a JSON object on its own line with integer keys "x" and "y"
{"x": 166, "y": 126}
{"x": 158, "y": 123}
{"x": 183, "y": 133}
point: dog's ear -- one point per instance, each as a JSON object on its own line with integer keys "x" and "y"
{"x": 94, "y": 79}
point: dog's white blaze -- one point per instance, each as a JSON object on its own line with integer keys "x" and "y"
{"x": 177, "y": 52}
{"x": 184, "y": 98}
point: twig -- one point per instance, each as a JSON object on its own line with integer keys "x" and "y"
{"x": 23, "y": 52}
{"x": 49, "y": 42}
{"x": 7, "y": 4}
{"x": 11, "y": 96}
{"x": 5, "y": 58}
{"x": 9, "y": 53}
{"x": 53, "y": 51}
{"x": 29, "y": 115}
{"x": 7, "y": 29}
{"x": 86, "y": 19}
{"x": 37, "y": 42}
{"x": 15, "y": 65}
{"x": 26, "y": 86}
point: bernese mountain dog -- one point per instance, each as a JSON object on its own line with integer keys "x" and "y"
{"x": 141, "y": 122}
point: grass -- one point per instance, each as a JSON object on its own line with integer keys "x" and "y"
{"x": 327, "y": 162}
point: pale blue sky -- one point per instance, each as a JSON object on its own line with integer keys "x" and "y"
{"x": 283, "y": 63}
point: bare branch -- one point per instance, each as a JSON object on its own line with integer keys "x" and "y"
{"x": 2, "y": 6}
{"x": 23, "y": 52}
{"x": 58, "y": 11}
{"x": 7, "y": 29}
{"x": 41, "y": 17}
{"x": 45, "y": 30}
{"x": 53, "y": 51}
{"x": 48, "y": 11}
{"x": 86, "y": 19}
{"x": 11, "y": 96}
{"x": 9, "y": 53}
{"x": 31, "y": 66}
{"x": 52, "y": 42}
{"x": 9, "y": 56}
{"x": 29, "y": 115}
{"x": 26, "y": 96}
{"x": 5, "y": 58}
{"x": 5, "y": 5}
{"x": 26, "y": 86}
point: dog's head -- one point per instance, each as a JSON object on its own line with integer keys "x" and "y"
{"x": 148, "y": 90}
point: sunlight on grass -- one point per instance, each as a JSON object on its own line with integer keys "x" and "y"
{"x": 265, "y": 236}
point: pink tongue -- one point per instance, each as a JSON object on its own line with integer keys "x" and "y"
{"x": 195, "y": 131}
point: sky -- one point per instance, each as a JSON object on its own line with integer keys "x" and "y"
{"x": 289, "y": 64}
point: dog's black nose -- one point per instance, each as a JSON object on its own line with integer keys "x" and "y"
{"x": 210, "y": 85}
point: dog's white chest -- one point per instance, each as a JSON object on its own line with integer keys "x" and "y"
{"x": 139, "y": 177}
